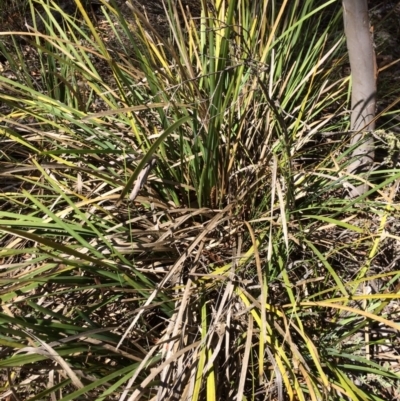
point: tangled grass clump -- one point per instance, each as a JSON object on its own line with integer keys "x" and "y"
{"x": 174, "y": 220}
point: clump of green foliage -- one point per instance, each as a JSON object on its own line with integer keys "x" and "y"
{"x": 174, "y": 220}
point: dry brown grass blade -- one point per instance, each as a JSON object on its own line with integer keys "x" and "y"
{"x": 160, "y": 368}
{"x": 139, "y": 369}
{"x": 174, "y": 335}
{"x": 50, "y": 353}
{"x": 245, "y": 360}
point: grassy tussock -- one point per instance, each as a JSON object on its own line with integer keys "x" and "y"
{"x": 174, "y": 220}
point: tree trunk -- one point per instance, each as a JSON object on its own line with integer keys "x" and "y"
{"x": 363, "y": 73}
